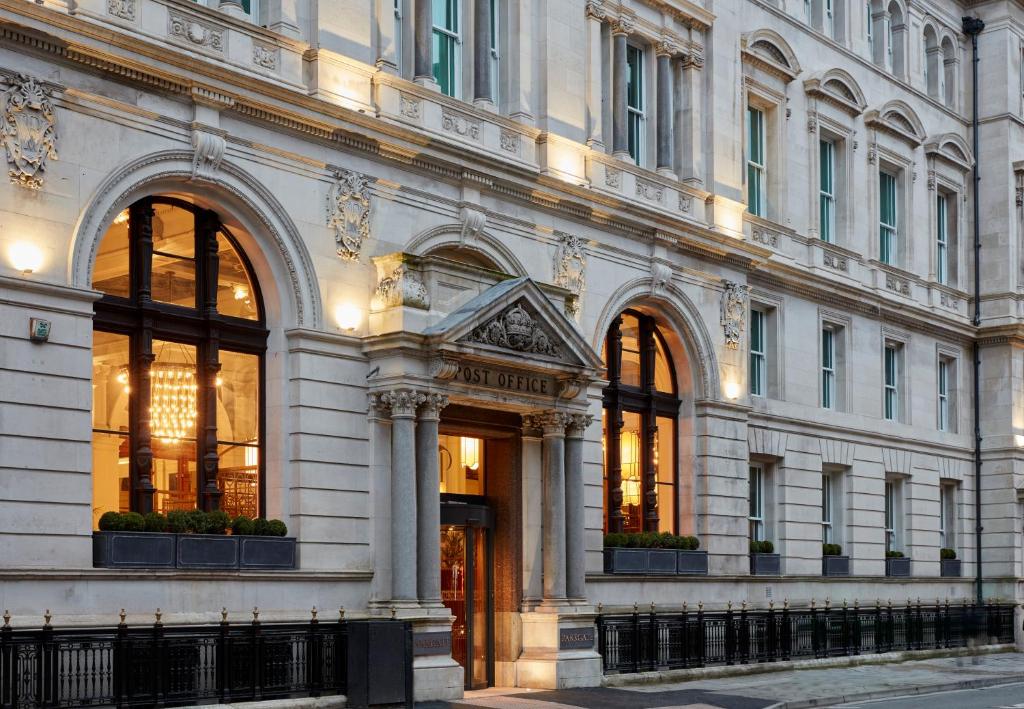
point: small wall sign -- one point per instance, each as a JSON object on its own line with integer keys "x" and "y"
{"x": 432, "y": 643}
{"x": 39, "y": 330}
{"x": 576, "y": 638}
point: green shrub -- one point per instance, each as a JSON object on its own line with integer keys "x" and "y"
{"x": 155, "y": 522}
{"x": 111, "y": 522}
{"x": 277, "y": 528}
{"x": 831, "y": 550}
{"x": 197, "y": 522}
{"x": 260, "y": 528}
{"x": 643, "y": 540}
{"x": 893, "y": 555}
{"x": 133, "y": 522}
{"x": 242, "y": 525}
{"x": 692, "y": 543}
{"x": 947, "y": 553}
{"x": 614, "y": 540}
{"x": 764, "y": 547}
{"x": 178, "y": 522}
{"x": 217, "y": 522}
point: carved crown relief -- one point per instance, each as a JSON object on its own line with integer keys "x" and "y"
{"x": 29, "y": 130}
{"x": 348, "y": 212}
{"x": 515, "y": 328}
{"x": 735, "y": 298}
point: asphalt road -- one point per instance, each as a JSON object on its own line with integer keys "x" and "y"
{"x": 1006, "y": 696}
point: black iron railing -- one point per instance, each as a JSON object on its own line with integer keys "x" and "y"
{"x": 163, "y": 665}
{"x": 645, "y": 641}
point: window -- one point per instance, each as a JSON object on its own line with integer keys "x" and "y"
{"x": 887, "y": 231}
{"x": 758, "y": 353}
{"x": 941, "y": 240}
{"x": 946, "y": 394}
{"x": 827, "y": 532}
{"x": 808, "y": 12}
{"x": 399, "y": 44}
{"x": 826, "y": 190}
{"x": 635, "y": 118}
{"x": 756, "y": 183}
{"x": 177, "y": 402}
{"x": 828, "y": 368}
{"x": 828, "y": 19}
{"x": 893, "y": 374}
{"x": 947, "y": 515}
{"x": 890, "y": 42}
{"x": 890, "y": 516}
{"x": 447, "y": 46}
{"x": 640, "y": 431}
{"x": 756, "y": 499}
{"x": 495, "y": 55}
{"x": 869, "y": 28}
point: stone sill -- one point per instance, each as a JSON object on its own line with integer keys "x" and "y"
{"x": 91, "y": 574}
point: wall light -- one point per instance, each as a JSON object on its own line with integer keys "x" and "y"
{"x": 25, "y": 256}
{"x": 1018, "y": 440}
{"x": 732, "y": 390}
{"x": 348, "y": 316}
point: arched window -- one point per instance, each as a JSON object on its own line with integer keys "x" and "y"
{"x": 178, "y": 347}
{"x": 641, "y": 405}
{"x": 934, "y": 77}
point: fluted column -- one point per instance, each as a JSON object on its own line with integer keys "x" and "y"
{"x": 403, "y": 404}
{"x": 428, "y": 502}
{"x": 595, "y": 77}
{"x": 424, "y": 69}
{"x": 620, "y": 134}
{"x": 482, "y": 79}
{"x": 552, "y": 423}
{"x": 665, "y": 131}
{"x": 575, "y": 523}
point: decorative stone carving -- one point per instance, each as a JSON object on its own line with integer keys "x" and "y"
{"x": 473, "y": 223}
{"x": 661, "y": 276}
{"x": 125, "y": 9}
{"x": 685, "y": 203}
{"x": 410, "y": 106}
{"x": 897, "y": 285}
{"x": 649, "y": 190}
{"x": 444, "y": 368}
{"x": 29, "y": 130}
{"x": 198, "y": 34}
{"x": 570, "y": 388}
{"x": 509, "y": 142}
{"x": 208, "y": 152}
{"x": 613, "y": 178}
{"x": 735, "y": 298}
{"x": 872, "y": 153}
{"x": 596, "y": 9}
{"x": 571, "y": 266}
{"x": 578, "y": 424}
{"x": 765, "y": 237}
{"x": 402, "y": 287}
{"x": 401, "y": 402}
{"x": 550, "y": 422}
{"x": 433, "y": 402}
{"x": 264, "y": 55}
{"x": 348, "y": 212}
{"x": 932, "y": 180}
{"x": 459, "y": 124}
{"x": 949, "y": 301}
{"x": 835, "y": 261}
{"x": 516, "y": 329}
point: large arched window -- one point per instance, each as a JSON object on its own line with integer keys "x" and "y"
{"x": 178, "y": 347}
{"x": 641, "y": 405}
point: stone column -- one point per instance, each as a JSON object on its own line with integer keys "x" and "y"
{"x": 283, "y": 17}
{"x": 424, "y": 70}
{"x": 403, "y": 403}
{"x": 665, "y": 131}
{"x": 388, "y": 37}
{"x": 482, "y": 79}
{"x": 552, "y": 423}
{"x": 428, "y": 502}
{"x": 575, "y": 523}
{"x": 232, "y": 7}
{"x": 620, "y": 135}
{"x": 692, "y": 145}
{"x": 595, "y": 77}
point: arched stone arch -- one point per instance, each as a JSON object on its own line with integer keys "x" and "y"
{"x": 278, "y": 254}
{"x": 482, "y": 243}
{"x": 899, "y": 119}
{"x": 678, "y": 316}
{"x": 952, "y": 148}
{"x": 838, "y": 87}
{"x": 767, "y": 48}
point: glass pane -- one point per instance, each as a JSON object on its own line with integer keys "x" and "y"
{"x": 826, "y": 166}
{"x": 662, "y": 369}
{"x": 235, "y": 294}
{"x": 665, "y": 468}
{"x": 630, "y": 447}
{"x": 174, "y": 266}
{"x": 461, "y": 465}
{"x": 110, "y": 441}
{"x": 111, "y": 273}
{"x": 453, "y": 586}
{"x": 630, "y": 374}
{"x": 634, "y": 78}
{"x": 480, "y": 593}
{"x": 173, "y": 231}
{"x": 238, "y": 397}
{"x": 173, "y": 414}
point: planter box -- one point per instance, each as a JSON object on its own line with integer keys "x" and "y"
{"x": 659, "y": 562}
{"x": 266, "y": 552}
{"x": 949, "y": 567}
{"x": 835, "y": 566}
{"x": 897, "y": 566}
{"x": 134, "y": 550}
{"x": 150, "y": 550}
{"x": 765, "y": 564}
{"x": 692, "y": 563}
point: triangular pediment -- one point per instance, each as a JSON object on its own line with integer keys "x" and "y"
{"x": 514, "y": 321}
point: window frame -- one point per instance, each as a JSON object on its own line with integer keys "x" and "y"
{"x": 827, "y": 518}
{"x": 827, "y": 193}
{"x": 636, "y": 115}
{"x": 758, "y": 360}
{"x": 888, "y": 232}
{"x": 890, "y": 515}
{"x": 494, "y": 52}
{"x": 942, "y": 238}
{"x": 454, "y": 36}
{"x": 891, "y": 382}
{"x": 757, "y": 166}
{"x": 828, "y": 367}
{"x": 757, "y": 523}
{"x": 145, "y": 320}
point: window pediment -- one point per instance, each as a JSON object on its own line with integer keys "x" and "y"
{"x": 839, "y": 89}
{"x": 769, "y": 51}
{"x": 951, "y": 148}
{"x": 899, "y": 120}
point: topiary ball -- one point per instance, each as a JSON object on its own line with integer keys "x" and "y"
{"x": 155, "y": 522}
{"x": 111, "y": 522}
{"x": 260, "y": 528}
{"x": 133, "y": 522}
{"x": 217, "y": 522}
{"x": 178, "y": 522}
{"x": 242, "y": 526}
{"x": 277, "y": 528}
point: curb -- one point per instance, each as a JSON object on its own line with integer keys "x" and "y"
{"x": 900, "y": 692}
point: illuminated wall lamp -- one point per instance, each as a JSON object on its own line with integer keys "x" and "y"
{"x": 348, "y": 317}
{"x": 732, "y": 390}
{"x": 25, "y": 256}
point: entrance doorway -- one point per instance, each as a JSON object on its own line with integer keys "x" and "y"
{"x": 467, "y": 580}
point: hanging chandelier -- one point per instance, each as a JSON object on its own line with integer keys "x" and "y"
{"x": 172, "y": 401}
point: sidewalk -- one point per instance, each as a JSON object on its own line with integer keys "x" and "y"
{"x": 790, "y": 689}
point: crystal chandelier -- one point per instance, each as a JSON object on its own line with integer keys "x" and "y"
{"x": 172, "y": 401}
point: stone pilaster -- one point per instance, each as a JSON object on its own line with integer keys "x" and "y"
{"x": 665, "y": 131}
{"x": 552, "y": 423}
{"x": 424, "y": 70}
{"x": 620, "y": 135}
{"x": 595, "y": 77}
{"x": 428, "y": 502}
{"x": 483, "y": 88}
{"x": 575, "y": 524}
{"x": 689, "y": 149}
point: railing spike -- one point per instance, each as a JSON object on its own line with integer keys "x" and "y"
{"x": 636, "y": 606}
{"x": 393, "y": 612}
{"x": 341, "y": 613}
{"x": 652, "y": 606}
{"x": 122, "y": 615}
{"x": 255, "y": 614}
{"x": 7, "y": 618}
{"x": 314, "y": 612}
{"x": 158, "y": 614}
{"x": 46, "y": 618}
{"x": 700, "y": 605}
{"x": 223, "y": 614}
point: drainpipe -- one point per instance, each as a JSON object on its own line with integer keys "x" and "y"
{"x": 973, "y": 27}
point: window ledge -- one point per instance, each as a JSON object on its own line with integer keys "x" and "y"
{"x": 647, "y": 188}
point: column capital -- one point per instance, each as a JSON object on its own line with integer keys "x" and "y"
{"x": 597, "y": 10}
{"x": 401, "y": 402}
{"x": 552, "y": 423}
{"x": 666, "y": 47}
{"x": 432, "y": 404}
{"x": 577, "y": 424}
{"x": 623, "y": 24}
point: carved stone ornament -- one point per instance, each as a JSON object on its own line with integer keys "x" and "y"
{"x": 198, "y": 34}
{"x": 551, "y": 422}
{"x": 433, "y": 402}
{"x": 509, "y": 142}
{"x": 348, "y": 212}
{"x": 571, "y": 265}
{"x": 125, "y": 9}
{"x": 661, "y": 276}
{"x": 29, "y": 130}
{"x": 835, "y": 261}
{"x": 401, "y": 402}
{"x": 401, "y": 287}
{"x": 765, "y": 237}
{"x": 613, "y": 178}
{"x": 685, "y": 203}
{"x": 264, "y": 55}
{"x": 459, "y": 124}
{"x": 897, "y": 285}
{"x": 444, "y": 368}
{"x": 409, "y": 106}
{"x": 735, "y": 299}
{"x": 649, "y": 190}
{"x": 473, "y": 223}
{"x": 578, "y": 423}
{"x": 514, "y": 328}
{"x": 208, "y": 154}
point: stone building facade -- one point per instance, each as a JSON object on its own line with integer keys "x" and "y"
{"x": 462, "y": 286}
